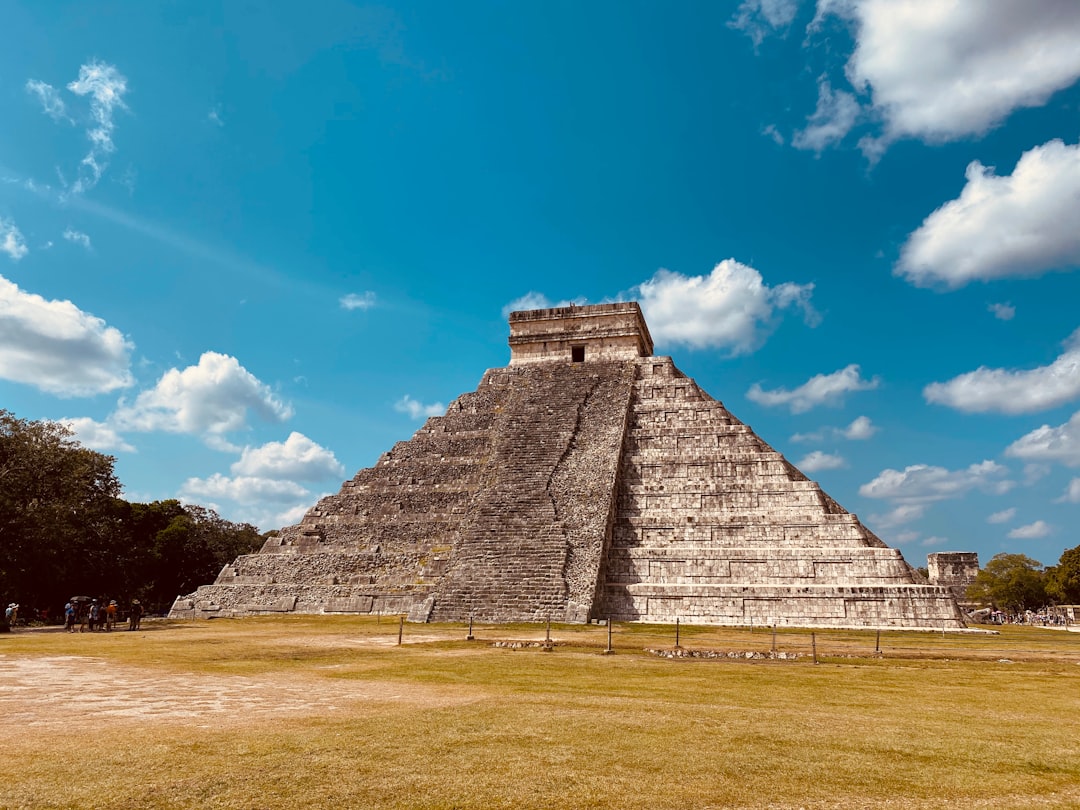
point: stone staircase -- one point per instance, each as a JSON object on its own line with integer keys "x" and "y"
{"x": 547, "y": 507}
{"x": 714, "y": 526}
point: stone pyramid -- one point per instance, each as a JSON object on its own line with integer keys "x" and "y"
{"x": 586, "y": 480}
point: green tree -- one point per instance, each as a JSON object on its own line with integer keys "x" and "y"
{"x": 1063, "y": 580}
{"x": 1014, "y": 582}
{"x": 56, "y": 511}
{"x": 64, "y": 528}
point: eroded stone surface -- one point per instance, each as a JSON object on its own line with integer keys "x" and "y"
{"x": 586, "y": 480}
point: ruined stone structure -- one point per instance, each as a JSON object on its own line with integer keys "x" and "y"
{"x": 588, "y": 479}
{"x": 955, "y": 570}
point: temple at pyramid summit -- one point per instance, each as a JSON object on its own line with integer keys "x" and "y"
{"x": 588, "y": 479}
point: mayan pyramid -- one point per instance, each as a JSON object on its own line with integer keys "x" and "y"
{"x": 586, "y": 480}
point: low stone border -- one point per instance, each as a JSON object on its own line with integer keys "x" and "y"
{"x": 746, "y": 656}
{"x": 522, "y": 645}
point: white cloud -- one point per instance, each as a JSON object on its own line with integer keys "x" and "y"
{"x": 1033, "y": 473}
{"x": 731, "y": 308}
{"x": 243, "y": 489}
{"x": 1015, "y": 225}
{"x": 214, "y": 116}
{"x": 290, "y": 516}
{"x": 56, "y": 347}
{"x": 772, "y": 132}
{"x": 418, "y": 410}
{"x": 860, "y": 429}
{"x": 1003, "y": 312}
{"x": 818, "y": 461}
{"x": 11, "y": 240}
{"x": 904, "y": 513}
{"x": 535, "y": 300}
{"x": 1072, "y": 492}
{"x": 1004, "y": 391}
{"x": 362, "y": 301}
{"x": 51, "y": 102}
{"x": 836, "y": 113}
{"x": 209, "y": 399}
{"x": 1004, "y": 516}
{"x": 941, "y": 71}
{"x": 921, "y": 483}
{"x": 934, "y": 541}
{"x": 758, "y": 18}
{"x": 906, "y": 537}
{"x": 1060, "y": 444}
{"x": 821, "y": 389}
{"x": 77, "y": 237}
{"x": 297, "y": 458}
{"x": 105, "y": 86}
{"x": 96, "y": 435}
{"x": 1032, "y": 531}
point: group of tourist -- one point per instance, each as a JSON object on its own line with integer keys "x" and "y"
{"x": 98, "y": 615}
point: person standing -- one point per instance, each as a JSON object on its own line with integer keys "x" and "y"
{"x": 110, "y": 615}
{"x": 11, "y": 614}
{"x": 135, "y": 618}
{"x": 69, "y": 617}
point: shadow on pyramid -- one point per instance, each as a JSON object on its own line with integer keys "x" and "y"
{"x": 586, "y": 480}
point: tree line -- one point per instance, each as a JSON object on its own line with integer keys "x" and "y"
{"x": 65, "y": 530}
{"x": 1016, "y": 582}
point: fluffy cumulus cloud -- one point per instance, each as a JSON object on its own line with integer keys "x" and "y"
{"x": 11, "y": 240}
{"x": 1010, "y": 391}
{"x": 96, "y": 435}
{"x": 922, "y": 483}
{"x": 821, "y": 389}
{"x": 1032, "y": 531}
{"x": 418, "y": 410}
{"x": 1059, "y": 444}
{"x": 265, "y": 481}
{"x": 943, "y": 71}
{"x": 759, "y": 18}
{"x": 57, "y": 348}
{"x": 731, "y": 308}
{"x": 243, "y": 489}
{"x": 361, "y": 301}
{"x": 818, "y": 461}
{"x": 1004, "y": 516}
{"x": 1022, "y": 224}
{"x": 298, "y": 458}
{"x": 836, "y": 113}
{"x": 209, "y": 399}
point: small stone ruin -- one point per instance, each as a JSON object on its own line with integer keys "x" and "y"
{"x": 586, "y": 480}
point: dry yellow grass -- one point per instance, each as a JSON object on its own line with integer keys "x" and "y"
{"x": 330, "y": 712}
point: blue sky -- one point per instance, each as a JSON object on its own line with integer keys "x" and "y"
{"x": 247, "y": 247}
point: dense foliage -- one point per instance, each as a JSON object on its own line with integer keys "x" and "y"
{"x": 65, "y": 530}
{"x": 1015, "y": 582}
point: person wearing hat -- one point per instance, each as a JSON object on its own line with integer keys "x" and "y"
{"x": 11, "y": 614}
{"x": 110, "y": 615}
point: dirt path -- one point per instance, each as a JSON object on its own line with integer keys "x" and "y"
{"x": 58, "y": 691}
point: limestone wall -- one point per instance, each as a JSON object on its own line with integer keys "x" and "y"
{"x": 714, "y": 526}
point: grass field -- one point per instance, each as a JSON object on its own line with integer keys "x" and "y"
{"x": 331, "y": 712}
